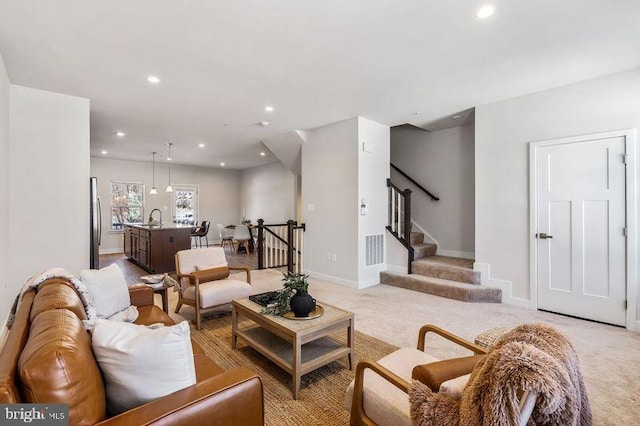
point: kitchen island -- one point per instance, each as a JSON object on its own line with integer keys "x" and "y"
{"x": 153, "y": 247}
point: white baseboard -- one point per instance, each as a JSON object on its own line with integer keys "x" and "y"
{"x": 337, "y": 280}
{"x": 504, "y": 285}
{"x": 112, "y": 251}
{"x": 397, "y": 269}
{"x": 369, "y": 283}
{"x": 458, "y": 254}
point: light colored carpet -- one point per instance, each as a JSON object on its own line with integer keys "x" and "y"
{"x": 610, "y": 356}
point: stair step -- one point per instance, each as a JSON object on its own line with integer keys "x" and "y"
{"x": 444, "y": 288}
{"x": 447, "y": 268}
{"x": 421, "y": 250}
{"x": 417, "y": 238}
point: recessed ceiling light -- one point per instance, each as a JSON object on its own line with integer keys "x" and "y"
{"x": 413, "y": 114}
{"x": 222, "y": 164}
{"x": 120, "y": 134}
{"x": 485, "y": 11}
{"x": 456, "y": 117}
{"x": 200, "y": 145}
{"x": 264, "y": 123}
{"x": 104, "y": 152}
{"x": 262, "y": 154}
{"x": 268, "y": 108}
{"x": 153, "y": 79}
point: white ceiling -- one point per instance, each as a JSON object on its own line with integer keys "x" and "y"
{"x": 221, "y": 62}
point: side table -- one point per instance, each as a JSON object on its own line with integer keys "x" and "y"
{"x": 165, "y": 297}
{"x": 159, "y": 288}
{"x": 162, "y": 290}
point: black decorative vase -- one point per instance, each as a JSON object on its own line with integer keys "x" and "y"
{"x": 302, "y": 304}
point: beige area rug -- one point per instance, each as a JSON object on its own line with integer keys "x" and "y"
{"x": 322, "y": 392}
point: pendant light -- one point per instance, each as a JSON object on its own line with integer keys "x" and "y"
{"x": 169, "y": 186}
{"x": 153, "y": 190}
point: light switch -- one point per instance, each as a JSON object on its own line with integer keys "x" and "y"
{"x": 311, "y": 206}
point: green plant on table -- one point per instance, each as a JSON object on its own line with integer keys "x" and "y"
{"x": 292, "y": 283}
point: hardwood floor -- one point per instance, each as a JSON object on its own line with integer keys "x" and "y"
{"x": 133, "y": 272}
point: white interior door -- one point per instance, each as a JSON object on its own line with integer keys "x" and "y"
{"x": 185, "y": 204}
{"x": 581, "y": 219}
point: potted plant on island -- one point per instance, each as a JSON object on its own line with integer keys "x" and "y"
{"x": 294, "y": 296}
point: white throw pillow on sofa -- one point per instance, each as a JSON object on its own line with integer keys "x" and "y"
{"x": 108, "y": 289}
{"x": 141, "y": 364}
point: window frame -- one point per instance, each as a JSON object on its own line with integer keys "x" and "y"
{"x": 118, "y": 227}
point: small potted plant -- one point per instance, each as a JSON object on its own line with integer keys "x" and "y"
{"x": 294, "y": 296}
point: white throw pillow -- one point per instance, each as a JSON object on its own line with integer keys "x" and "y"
{"x": 108, "y": 289}
{"x": 141, "y": 364}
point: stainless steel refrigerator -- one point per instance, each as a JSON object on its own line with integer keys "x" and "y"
{"x": 96, "y": 224}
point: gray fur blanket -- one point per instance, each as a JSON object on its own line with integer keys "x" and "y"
{"x": 533, "y": 357}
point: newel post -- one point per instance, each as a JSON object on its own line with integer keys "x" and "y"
{"x": 290, "y": 224}
{"x": 406, "y": 229}
{"x": 260, "y": 244}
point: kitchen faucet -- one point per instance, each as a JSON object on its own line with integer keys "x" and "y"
{"x": 151, "y": 216}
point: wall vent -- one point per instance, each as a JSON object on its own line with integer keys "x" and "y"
{"x": 374, "y": 247}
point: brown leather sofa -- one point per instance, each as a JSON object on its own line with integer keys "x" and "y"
{"x": 47, "y": 358}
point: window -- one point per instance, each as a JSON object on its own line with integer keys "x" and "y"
{"x": 185, "y": 204}
{"x": 127, "y": 203}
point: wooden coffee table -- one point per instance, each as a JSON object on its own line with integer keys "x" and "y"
{"x": 296, "y": 346}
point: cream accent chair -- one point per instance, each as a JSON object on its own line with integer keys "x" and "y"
{"x": 203, "y": 275}
{"x": 379, "y": 393}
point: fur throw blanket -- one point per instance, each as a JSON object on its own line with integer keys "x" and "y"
{"x": 533, "y": 357}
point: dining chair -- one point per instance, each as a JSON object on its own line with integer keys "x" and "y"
{"x": 194, "y": 234}
{"x": 202, "y": 232}
{"x": 225, "y": 238}
{"x": 242, "y": 235}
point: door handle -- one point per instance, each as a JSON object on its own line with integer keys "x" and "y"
{"x": 543, "y": 236}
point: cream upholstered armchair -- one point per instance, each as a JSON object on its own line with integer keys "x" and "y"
{"x": 203, "y": 275}
{"x": 531, "y": 373}
{"x": 379, "y": 395}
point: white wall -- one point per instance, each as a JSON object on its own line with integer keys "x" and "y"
{"x": 219, "y": 193}
{"x": 443, "y": 162}
{"x": 330, "y": 184}
{"x": 6, "y": 296}
{"x": 49, "y": 183}
{"x": 268, "y": 192}
{"x": 336, "y": 175}
{"x": 373, "y": 171}
{"x": 503, "y": 132}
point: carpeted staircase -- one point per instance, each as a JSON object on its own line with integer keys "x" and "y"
{"x": 442, "y": 276}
